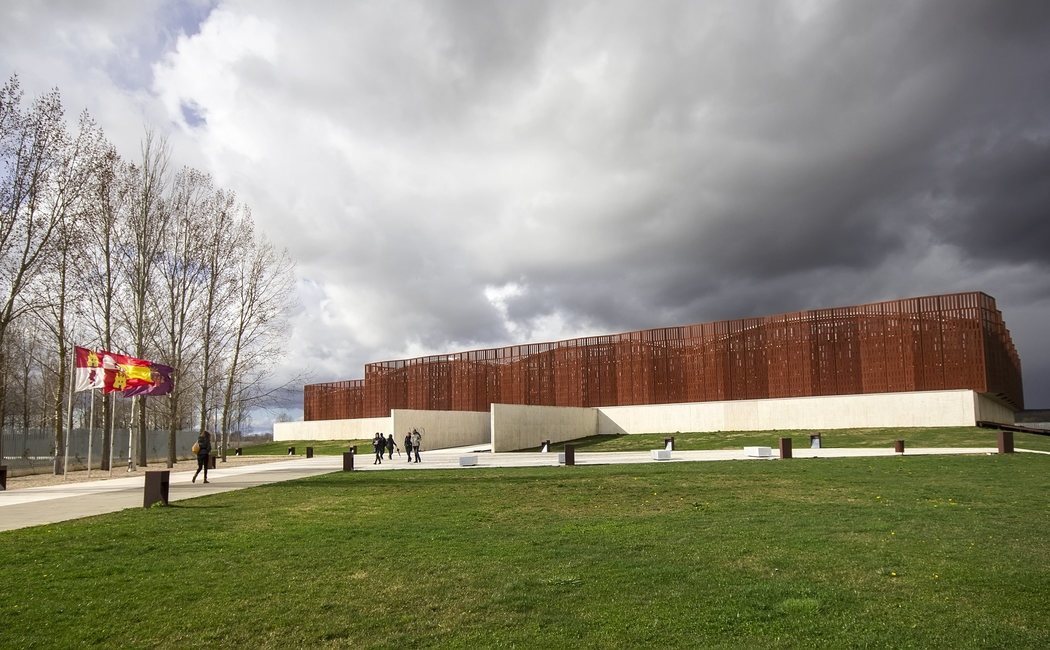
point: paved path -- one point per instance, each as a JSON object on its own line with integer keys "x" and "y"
{"x": 49, "y": 504}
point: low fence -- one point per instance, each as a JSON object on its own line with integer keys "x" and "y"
{"x": 33, "y": 451}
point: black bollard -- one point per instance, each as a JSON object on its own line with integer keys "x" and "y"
{"x": 309, "y": 452}
{"x": 898, "y": 446}
{"x": 785, "y": 448}
{"x": 3, "y": 477}
{"x": 158, "y": 482}
{"x": 348, "y": 461}
{"x": 1006, "y": 442}
{"x": 570, "y": 455}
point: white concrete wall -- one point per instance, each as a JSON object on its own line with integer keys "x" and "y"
{"x": 662, "y": 418}
{"x": 442, "y": 429}
{"x": 992, "y": 410}
{"x": 353, "y": 429}
{"x": 517, "y": 427}
{"x": 512, "y": 427}
{"x": 917, "y": 409}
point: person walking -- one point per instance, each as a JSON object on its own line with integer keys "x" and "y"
{"x": 391, "y": 446}
{"x": 377, "y": 446}
{"x": 408, "y": 446}
{"x": 417, "y": 440}
{"x": 203, "y": 452}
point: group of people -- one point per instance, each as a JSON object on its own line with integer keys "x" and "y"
{"x": 413, "y": 439}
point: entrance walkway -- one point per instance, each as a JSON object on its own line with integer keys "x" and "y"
{"x": 21, "y": 508}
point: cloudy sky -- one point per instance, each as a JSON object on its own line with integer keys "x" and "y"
{"x": 463, "y": 174}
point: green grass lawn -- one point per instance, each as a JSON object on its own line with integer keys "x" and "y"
{"x": 913, "y": 437}
{"x": 321, "y": 447}
{"x": 883, "y": 437}
{"x": 947, "y": 552}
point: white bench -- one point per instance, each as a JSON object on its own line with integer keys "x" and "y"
{"x": 758, "y": 452}
{"x": 661, "y": 454}
{"x": 468, "y": 461}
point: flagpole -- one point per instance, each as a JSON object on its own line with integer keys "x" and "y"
{"x": 91, "y": 429}
{"x": 131, "y": 438}
{"x": 69, "y": 412}
{"x": 112, "y": 434}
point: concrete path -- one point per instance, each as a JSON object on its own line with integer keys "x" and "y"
{"x": 44, "y": 505}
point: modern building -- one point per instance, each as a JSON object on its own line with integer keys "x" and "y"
{"x": 915, "y": 344}
{"x": 913, "y": 352}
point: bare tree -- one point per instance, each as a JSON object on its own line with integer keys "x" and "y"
{"x": 224, "y": 240}
{"x": 29, "y": 140}
{"x": 182, "y": 272}
{"x": 37, "y": 183}
{"x": 71, "y": 184}
{"x": 263, "y": 293}
{"x": 172, "y": 272}
{"x": 143, "y": 236}
{"x": 99, "y": 278}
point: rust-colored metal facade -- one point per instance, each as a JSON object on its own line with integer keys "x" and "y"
{"x": 337, "y": 400}
{"x": 929, "y": 343}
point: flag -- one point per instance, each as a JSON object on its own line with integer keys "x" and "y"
{"x": 123, "y": 372}
{"x": 88, "y": 372}
{"x": 161, "y": 382}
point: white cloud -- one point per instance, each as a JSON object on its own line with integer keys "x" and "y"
{"x": 451, "y": 176}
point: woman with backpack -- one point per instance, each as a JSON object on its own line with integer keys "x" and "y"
{"x": 203, "y": 447}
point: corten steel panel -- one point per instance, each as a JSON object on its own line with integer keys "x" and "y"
{"x": 692, "y": 363}
{"x": 634, "y": 371}
{"x": 756, "y": 361}
{"x": 874, "y": 334}
{"x": 604, "y": 359}
{"x": 569, "y": 384}
{"x": 929, "y": 343}
{"x": 469, "y": 385}
{"x": 336, "y": 400}
{"x": 717, "y": 362}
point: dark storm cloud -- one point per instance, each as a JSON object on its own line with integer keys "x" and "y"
{"x": 999, "y": 194}
{"x": 843, "y": 143}
{"x": 453, "y": 175}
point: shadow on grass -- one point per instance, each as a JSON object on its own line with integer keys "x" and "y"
{"x": 453, "y": 478}
{"x": 579, "y": 443}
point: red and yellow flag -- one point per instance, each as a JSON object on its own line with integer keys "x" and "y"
{"x": 123, "y": 372}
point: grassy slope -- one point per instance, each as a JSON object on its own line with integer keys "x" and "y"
{"x": 913, "y": 437}
{"x": 884, "y": 437}
{"x": 885, "y": 552}
{"x": 321, "y": 447}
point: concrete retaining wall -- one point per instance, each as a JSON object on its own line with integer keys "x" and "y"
{"x": 918, "y": 409}
{"x": 353, "y": 429}
{"x": 442, "y": 429}
{"x": 511, "y": 427}
{"x": 517, "y": 427}
{"x": 991, "y": 410}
